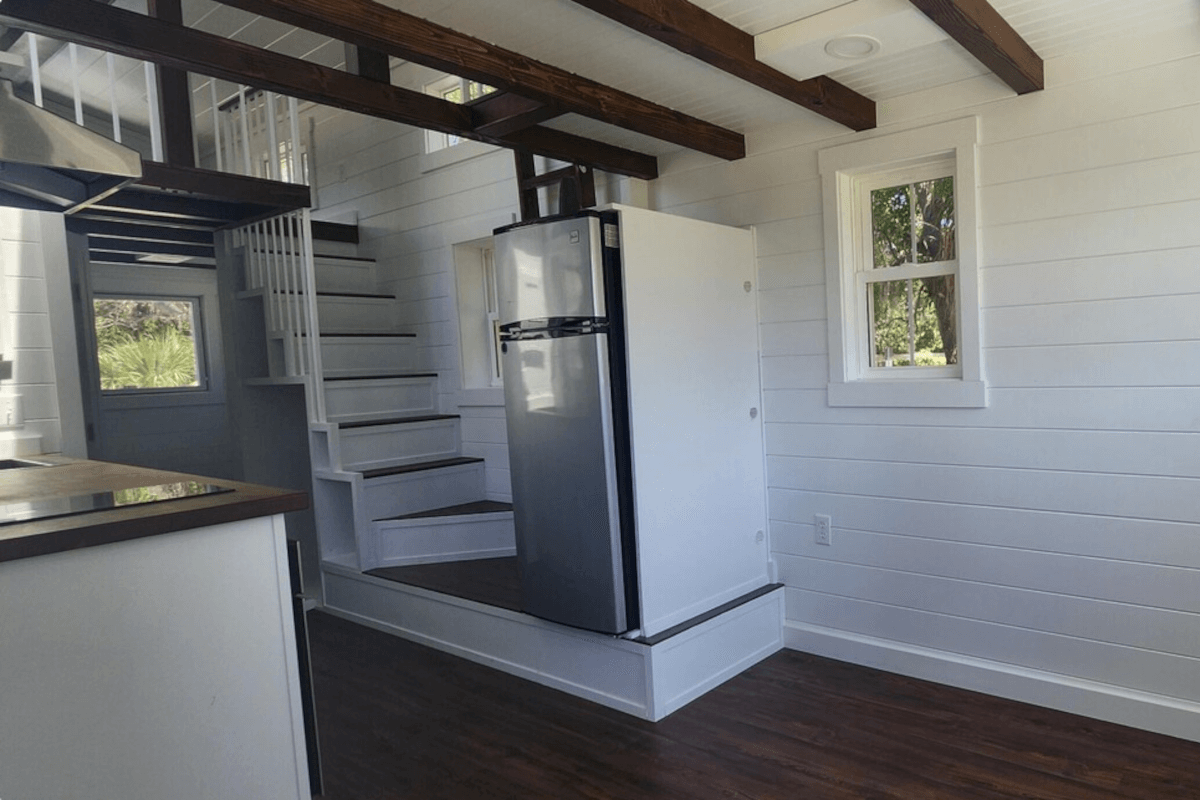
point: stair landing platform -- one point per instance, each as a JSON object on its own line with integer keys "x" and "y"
{"x": 647, "y": 678}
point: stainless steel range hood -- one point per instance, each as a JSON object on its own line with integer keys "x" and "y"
{"x": 50, "y": 164}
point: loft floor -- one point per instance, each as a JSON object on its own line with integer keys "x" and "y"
{"x": 399, "y": 720}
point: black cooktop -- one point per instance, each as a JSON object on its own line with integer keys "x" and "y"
{"x": 67, "y": 505}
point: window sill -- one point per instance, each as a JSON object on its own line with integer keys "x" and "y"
{"x": 946, "y": 393}
{"x": 447, "y": 156}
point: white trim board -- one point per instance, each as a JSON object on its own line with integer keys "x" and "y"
{"x": 646, "y": 681}
{"x": 1138, "y": 709}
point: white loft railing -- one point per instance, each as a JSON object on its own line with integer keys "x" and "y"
{"x": 279, "y": 262}
{"x": 258, "y": 133}
{"x": 236, "y": 129}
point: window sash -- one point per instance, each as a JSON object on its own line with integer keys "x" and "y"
{"x": 197, "y": 337}
{"x": 866, "y": 273}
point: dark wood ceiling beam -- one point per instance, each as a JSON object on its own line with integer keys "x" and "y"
{"x": 986, "y": 35}
{"x": 502, "y": 113}
{"x": 142, "y": 37}
{"x": 367, "y": 63}
{"x": 578, "y": 150}
{"x": 370, "y": 24}
{"x": 707, "y": 37}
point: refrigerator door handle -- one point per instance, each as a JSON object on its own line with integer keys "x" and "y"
{"x": 552, "y": 328}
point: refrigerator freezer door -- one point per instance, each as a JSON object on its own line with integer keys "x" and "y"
{"x": 550, "y": 270}
{"x": 564, "y": 481}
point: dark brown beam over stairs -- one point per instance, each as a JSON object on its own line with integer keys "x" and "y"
{"x": 176, "y": 96}
{"x": 709, "y": 38}
{"x": 371, "y": 24}
{"x": 575, "y": 178}
{"x": 139, "y": 36}
{"x": 986, "y": 35}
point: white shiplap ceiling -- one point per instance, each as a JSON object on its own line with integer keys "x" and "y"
{"x": 566, "y": 35}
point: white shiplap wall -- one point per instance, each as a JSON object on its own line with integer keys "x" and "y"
{"x": 1046, "y": 547}
{"x": 33, "y": 281}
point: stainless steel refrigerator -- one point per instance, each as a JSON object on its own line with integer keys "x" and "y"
{"x": 563, "y": 365}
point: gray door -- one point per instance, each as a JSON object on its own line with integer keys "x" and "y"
{"x": 151, "y": 416}
{"x": 560, "y": 443}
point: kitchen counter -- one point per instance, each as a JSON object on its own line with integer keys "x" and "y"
{"x": 148, "y": 651}
{"x": 68, "y": 477}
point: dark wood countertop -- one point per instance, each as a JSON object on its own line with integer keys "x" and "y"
{"x": 69, "y": 476}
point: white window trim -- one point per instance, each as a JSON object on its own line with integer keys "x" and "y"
{"x": 477, "y": 311}
{"x": 845, "y": 172}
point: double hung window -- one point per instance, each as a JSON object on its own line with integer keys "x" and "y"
{"x": 902, "y": 269}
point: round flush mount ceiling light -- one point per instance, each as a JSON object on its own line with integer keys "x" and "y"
{"x": 853, "y": 46}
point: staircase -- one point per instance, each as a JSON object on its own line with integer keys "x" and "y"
{"x": 390, "y": 484}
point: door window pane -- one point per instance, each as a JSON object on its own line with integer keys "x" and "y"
{"x": 147, "y": 343}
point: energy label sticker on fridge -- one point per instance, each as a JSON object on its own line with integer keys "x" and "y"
{"x": 611, "y": 237}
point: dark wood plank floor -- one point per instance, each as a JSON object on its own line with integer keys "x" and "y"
{"x": 402, "y": 721}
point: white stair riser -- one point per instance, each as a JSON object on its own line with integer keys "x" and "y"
{"x": 363, "y": 355}
{"x": 436, "y": 539}
{"x": 328, "y": 247}
{"x": 344, "y": 275}
{"x": 411, "y": 492}
{"x": 393, "y": 396}
{"x": 356, "y": 314}
{"x": 376, "y": 446}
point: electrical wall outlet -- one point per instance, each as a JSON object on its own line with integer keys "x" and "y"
{"x": 10, "y": 411}
{"x": 824, "y": 529}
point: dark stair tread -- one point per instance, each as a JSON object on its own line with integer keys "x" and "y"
{"x": 383, "y": 376}
{"x": 330, "y": 256}
{"x": 463, "y": 509}
{"x": 367, "y": 423}
{"x": 364, "y": 295}
{"x": 336, "y": 257}
{"x": 356, "y": 295}
{"x": 362, "y": 334}
{"x": 421, "y": 466}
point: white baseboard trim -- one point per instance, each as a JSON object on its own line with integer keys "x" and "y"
{"x": 1138, "y": 709}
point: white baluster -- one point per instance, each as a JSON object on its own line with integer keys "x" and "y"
{"x": 74, "y": 51}
{"x": 245, "y": 130}
{"x": 216, "y": 112}
{"x": 156, "y": 146}
{"x": 35, "y": 70}
{"x": 294, "y": 289}
{"x": 111, "y": 62}
{"x": 272, "y": 138}
{"x": 315, "y": 368}
{"x": 294, "y": 150}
